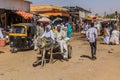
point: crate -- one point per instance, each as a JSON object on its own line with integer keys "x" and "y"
{"x": 2, "y": 42}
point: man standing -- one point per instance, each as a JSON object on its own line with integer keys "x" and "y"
{"x": 69, "y": 30}
{"x": 39, "y": 32}
{"x": 92, "y": 38}
{"x": 106, "y": 35}
{"x": 1, "y": 34}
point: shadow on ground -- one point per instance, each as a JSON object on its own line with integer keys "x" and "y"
{"x": 56, "y": 57}
{"x": 86, "y": 56}
{"x": 1, "y": 52}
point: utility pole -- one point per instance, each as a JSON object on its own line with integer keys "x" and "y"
{"x": 117, "y": 19}
{"x": 118, "y": 22}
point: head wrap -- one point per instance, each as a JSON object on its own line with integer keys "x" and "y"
{"x": 49, "y": 27}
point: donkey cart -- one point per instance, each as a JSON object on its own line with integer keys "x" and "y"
{"x": 47, "y": 48}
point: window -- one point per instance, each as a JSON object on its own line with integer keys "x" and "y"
{"x": 18, "y": 29}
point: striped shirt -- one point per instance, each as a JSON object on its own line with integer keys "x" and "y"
{"x": 91, "y": 34}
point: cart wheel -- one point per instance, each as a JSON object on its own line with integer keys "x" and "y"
{"x": 69, "y": 51}
{"x": 13, "y": 50}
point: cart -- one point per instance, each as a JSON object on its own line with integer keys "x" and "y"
{"x": 50, "y": 49}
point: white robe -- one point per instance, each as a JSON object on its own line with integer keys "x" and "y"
{"x": 62, "y": 39}
{"x": 1, "y": 34}
{"x": 114, "y": 37}
{"x": 107, "y": 38}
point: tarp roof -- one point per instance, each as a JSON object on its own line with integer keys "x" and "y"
{"x": 50, "y": 10}
{"x": 47, "y": 8}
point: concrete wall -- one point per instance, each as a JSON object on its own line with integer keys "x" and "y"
{"x": 15, "y": 5}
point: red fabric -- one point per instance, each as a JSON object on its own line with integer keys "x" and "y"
{"x": 2, "y": 42}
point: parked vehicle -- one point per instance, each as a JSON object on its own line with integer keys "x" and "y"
{"x": 21, "y": 36}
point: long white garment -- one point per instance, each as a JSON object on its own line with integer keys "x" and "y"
{"x": 62, "y": 26}
{"x": 91, "y": 34}
{"x": 39, "y": 33}
{"x": 98, "y": 28}
{"x": 1, "y": 34}
{"x": 61, "y": 39}
{"x": 86, "y": 27}
{"x": 115, "y": 37}
{"x": 107, "y": 38}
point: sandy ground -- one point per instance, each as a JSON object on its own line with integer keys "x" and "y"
{"x": 106, "y": 67}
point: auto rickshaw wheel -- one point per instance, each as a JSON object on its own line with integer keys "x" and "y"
{"x": 69, "y": 51}
{"x": 13, "y": 50}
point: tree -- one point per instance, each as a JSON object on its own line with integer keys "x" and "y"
{"x": 110, "y": 15}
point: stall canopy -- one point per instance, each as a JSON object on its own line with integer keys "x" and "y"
{"x": 110, "y": 19}
{"x": 91, "y": 17}
{"x": 25, "y": 15}
{"x": 50, "y": 10}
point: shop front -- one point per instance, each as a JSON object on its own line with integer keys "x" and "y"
{"x": 8, "y": 17}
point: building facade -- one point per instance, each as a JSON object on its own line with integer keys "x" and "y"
{"x": 15, "y": 5}
{"x": 8, "y": 9}
{"x": 78, "y": 11}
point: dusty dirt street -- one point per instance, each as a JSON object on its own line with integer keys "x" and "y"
{"x": 106, "y": 67}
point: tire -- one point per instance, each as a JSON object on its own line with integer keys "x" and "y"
{"x": 13, "y": 50}
{"x": 69, "y": 52}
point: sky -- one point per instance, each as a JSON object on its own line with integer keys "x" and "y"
{"x": 96, "y": 6}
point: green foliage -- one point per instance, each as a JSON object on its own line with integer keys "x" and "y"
{"x": 110, "y": 16}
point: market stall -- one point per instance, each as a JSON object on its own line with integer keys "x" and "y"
{"x": 51, "y": 11}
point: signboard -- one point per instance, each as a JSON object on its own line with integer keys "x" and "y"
{"x": 81, "y": 14}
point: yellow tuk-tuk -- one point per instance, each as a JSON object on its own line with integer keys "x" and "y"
{"x": 21, "y": 36}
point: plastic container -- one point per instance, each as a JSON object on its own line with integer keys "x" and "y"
{"x": 2, "y": 42}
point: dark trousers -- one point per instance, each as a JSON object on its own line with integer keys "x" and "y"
{"x": 93, "y": 48}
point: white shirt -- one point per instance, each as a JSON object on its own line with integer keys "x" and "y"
{"x": 86, "y": 27}
{"x": 60, "y": 35}
{"x": 49, "y": 34}
{"x": 40, "y": 30}
{"x": 91, "y": 34}
{"x": 98, "y": 26}
{"x": 62, "y": 26}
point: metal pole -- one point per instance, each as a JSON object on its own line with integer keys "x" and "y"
{"x": 118, "y": 22}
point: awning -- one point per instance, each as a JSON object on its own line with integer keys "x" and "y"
{"x": 50, "y": 10}
{"x": 57, "y": 14}
{"x": 25, "y": 15}
{"x": 46, "y": 8}
{"x": 91, "y": 17}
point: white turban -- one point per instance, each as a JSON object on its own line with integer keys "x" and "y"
{"x": 49, "y": 27}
